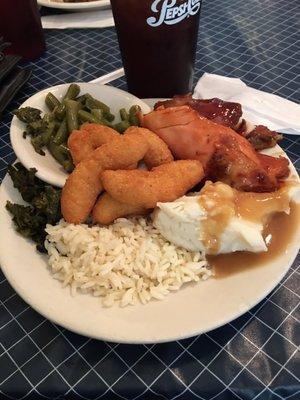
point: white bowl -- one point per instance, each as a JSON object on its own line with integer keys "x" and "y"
{"x": 85, "y": 6}
{"x": 49, "y": 170}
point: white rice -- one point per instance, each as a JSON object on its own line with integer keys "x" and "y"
{"x": 125, "y": 263}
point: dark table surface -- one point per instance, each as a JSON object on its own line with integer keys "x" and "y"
{"x": 255, "y": 356}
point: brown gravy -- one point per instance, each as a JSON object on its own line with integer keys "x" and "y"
{"x": 281, "y": 227}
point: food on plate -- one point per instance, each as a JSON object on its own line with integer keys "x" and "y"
{"x": 107, "y": 210}
{"x": 83, "y": 186}
{"x": 125, "y": 263}
{"x": 220, "y": 219}
{"x": 225, "y": 155}
{"x": 84, "y": 141}
{"x": 112, "y": 152}
{"x": 158, "y": 152}
{"x": 52, "y": 130}
{"x": 228, "y": 114}
{"x": 262, "y": 137}
{"x": 222, "y": 112}
{"x": 91, "y": 136}
{"x": 43, "y": 205}
{"x": 145, "y": 189}
{"x": 146, "y": 231}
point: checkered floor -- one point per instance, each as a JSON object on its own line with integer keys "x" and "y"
{"x": 254, "y": 357}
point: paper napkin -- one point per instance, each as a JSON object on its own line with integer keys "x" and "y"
{"x": 91, "y": 19}
{"x": 259, "y": 107}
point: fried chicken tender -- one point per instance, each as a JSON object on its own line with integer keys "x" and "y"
{"x": 121, "y": 151}
{"x": 107, "y": 209}
{"x": 84, "y": 141}
{"x": 81, "y": 191}
{"x": 144, "y": 189}
{"x": 84, "y": 184}
{"x": 158, "y": 152}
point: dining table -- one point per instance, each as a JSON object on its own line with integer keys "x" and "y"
{"x": 254, "y": 357}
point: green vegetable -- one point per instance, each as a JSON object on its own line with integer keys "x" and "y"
{"x": 51, "y": 101}
{"x": 44, "y": 138}
{"x": 62, "y": 134}
{"x": 62, "y": 155}
{"x": 72, "y": 108}
{"x": 133, "y": 118}
{"x": 85, "y": 116}
{"x": 97, "y": 113}
{"x": 72, "y": 92}
{"x": 60, "y": 112}
{"x": 43, "y": 208}
{"x": 122, "y": 126}
{"x": 25, "y": 181}
{"x": 124, "y": 114}
{"x": 92, "y": 103}
{"x": 28, "y": 114}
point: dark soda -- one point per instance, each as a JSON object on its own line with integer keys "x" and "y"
{"x": 20, "y": 24}
{"x": 158, "y": 40}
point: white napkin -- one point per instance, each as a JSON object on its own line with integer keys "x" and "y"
{"x": 91, "y": 19}
{"x": 259, "y": 107}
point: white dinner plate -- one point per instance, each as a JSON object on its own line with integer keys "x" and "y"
{"x": 82, "y": 6}
{"x": 195, "y": 309}
{"x": 49, "y": 170}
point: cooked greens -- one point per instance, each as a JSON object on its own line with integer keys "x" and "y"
{"x": 28, "y": 114}
{"x": 43, "y": 208}
{"x": 53, "y": 129}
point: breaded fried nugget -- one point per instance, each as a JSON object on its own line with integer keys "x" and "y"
{"x": 158, "y": 152}
{"x": 84, "y": 184}
{"x": 107, "y": 209}
{"x": 145, "y": 189}
{"x": 91, "y": 136}
{"x": 121, "y": 152}
{"x": 81, "y": 191}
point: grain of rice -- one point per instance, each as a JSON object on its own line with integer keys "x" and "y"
{"x": 124, "y": 263}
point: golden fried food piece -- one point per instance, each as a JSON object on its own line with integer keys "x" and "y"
{"x": 107, "y": 209}
{"x": 83, "y": 142}
{"x": 84, "y": 184}
{"x": 81, "y": 191}
{"x": 158, "y": 152}
{"x": 122, "y": 152}
{"x": 145, "y": 189}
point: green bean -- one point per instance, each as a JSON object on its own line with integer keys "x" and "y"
{"x": 97, "y": 113}
{"x": 124, "y": 114}
{"x": 65, "y": 150}
{"x": 104, "y": 121}
{"x": 92, "y": 103}
{"x": 48, "y": 133}
{"x": 51, "y": 101}
{"x": 62, "y": 133}
{"x": 133, "y": 119}
{"x": 72, "y": 108}
{"x": 61, "y": 155}
{"x": 60, "y": 111}
{"x": 68, "y": 166}
{"x": 81, "y": 99}
{"x": 85, "y": 116}
{"x": 122, "y": 126}
{"x": 72, "y": 92}
{"x": 109, "y": 117}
